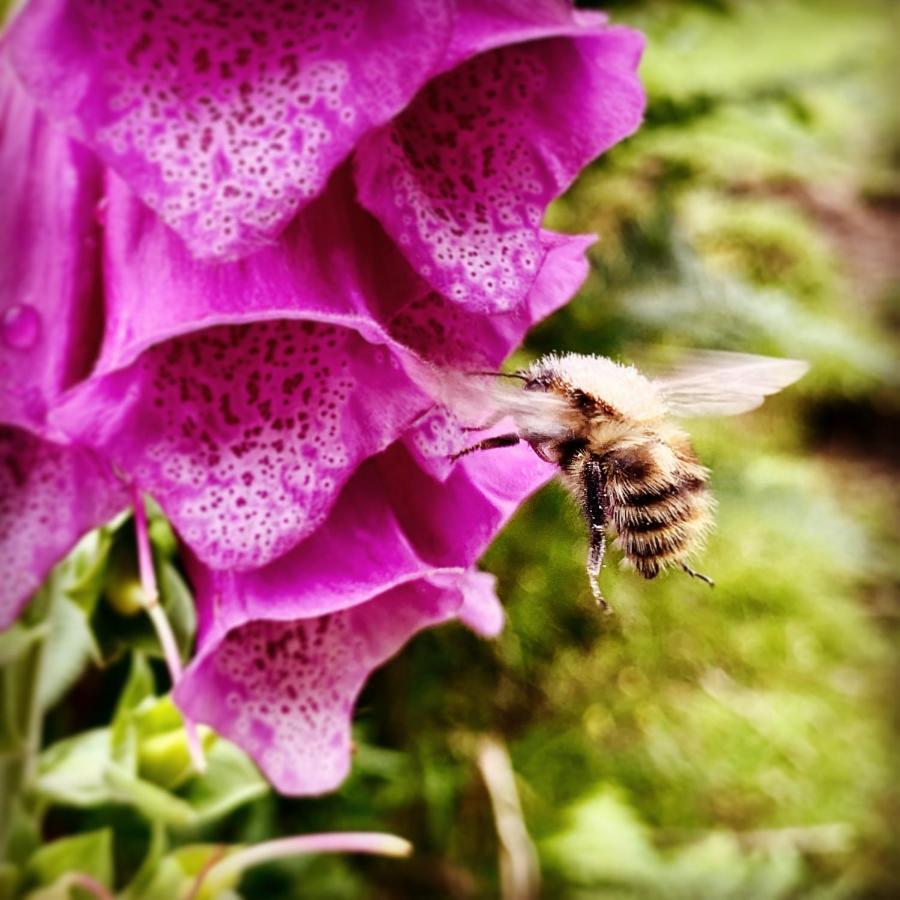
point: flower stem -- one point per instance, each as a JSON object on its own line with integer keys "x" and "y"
{"x": 520, "y": 875}
{"x": 334, "y": 842}
{"x": 91, "y": 885}
{"x": 161, "y": 624}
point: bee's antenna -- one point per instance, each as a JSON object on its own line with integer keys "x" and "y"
{"x": 694, "y": 574}
{"x": 518, "y": 375}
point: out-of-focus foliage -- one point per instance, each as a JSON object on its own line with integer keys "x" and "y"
{"x": 732, "y": 743}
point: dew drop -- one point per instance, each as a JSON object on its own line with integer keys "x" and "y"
{"x": 20, "y": 327}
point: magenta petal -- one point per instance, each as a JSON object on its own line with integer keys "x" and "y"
{"x": 361, "y": 551}
{"x": 451, "y": 335}
{"x": 50, "y": 311}
{"x": 227, "y": 117}
{"x": 451, "y": 522}
{"x": 333, "y": 264}
{"x": 49, "y": 497}
{"x": 285, "y": 691}
{"x": 461, "y": 178}
{"x": 245, "y": 433}
{"x": 481, "y": 609}
{"x": 377, "y": 537}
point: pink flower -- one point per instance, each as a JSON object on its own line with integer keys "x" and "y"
{"x": 282, "y": 209}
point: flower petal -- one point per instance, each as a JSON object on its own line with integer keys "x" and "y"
{"x": 284, "y": 650}
{"x": 448, "y": 334}
{"x": 227, "y": 117}
{"x": 333, "y": 264}
{"x": 359, "y": 553}
{"x": 451, "y": 523}
{"x": 481, "y": 609}
{"x": 378, "y": 536}
{"x": 50, "y": 496}
{"x": 245, "y": 433}
{"x": 461, "y": 178}
{"x": 50, "y": 309}
{"x": 284, "y": 690}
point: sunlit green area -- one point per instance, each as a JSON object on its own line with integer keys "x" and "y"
{"x": 730, "y": 743}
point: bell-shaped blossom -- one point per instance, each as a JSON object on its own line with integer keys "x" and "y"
{"x": 464, "y": 121}
{"x": 463, "y": 176}
{"x": 285, "y": 649}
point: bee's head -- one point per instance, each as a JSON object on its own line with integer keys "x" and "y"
{"x": 542, "y": 375}
{"x": 538, "y": 382}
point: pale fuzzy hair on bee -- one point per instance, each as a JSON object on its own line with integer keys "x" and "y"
{"x": 621, "y": 386}
{"x": 608, "y": 428}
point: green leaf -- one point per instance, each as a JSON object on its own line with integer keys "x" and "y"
{"x": 89, "y": 853}
{"x": 140, "y": 685}
{"x": 138, "y": 689}
{"x": 17, "y": 639}
{"x": 22, "y": 830}
{"x": 178, "y": 603}
{"x": 73, "y": 771}
{"x": 85, "y": 569}
{"x": 231, "y": 779}
{"x": 154, "y": 802}
{"x": 70, "y": 647}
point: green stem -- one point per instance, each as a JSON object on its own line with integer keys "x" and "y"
{"x": 161, "y": 624}
{"x": 22, "y": 716}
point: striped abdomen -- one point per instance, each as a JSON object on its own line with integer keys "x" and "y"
{"x": 656, "y": 497}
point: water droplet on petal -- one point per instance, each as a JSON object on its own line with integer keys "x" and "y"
{"x": 21, "y": 326}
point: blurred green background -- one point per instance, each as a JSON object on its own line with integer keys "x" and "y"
{"x": 736, "y": 743}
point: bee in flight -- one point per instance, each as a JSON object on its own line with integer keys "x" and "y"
{"x": 610, "y": 430}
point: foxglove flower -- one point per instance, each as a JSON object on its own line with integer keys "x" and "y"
{"x": 297, "y": 203}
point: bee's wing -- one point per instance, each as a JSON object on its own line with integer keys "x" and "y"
{"x": 711, "y": 383}
{"x": 537, "y": 414}
{"x": 479, "y": 400}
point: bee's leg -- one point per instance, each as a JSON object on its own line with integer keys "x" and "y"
{"x": 592, "y": 478}
{"x": 595, "y": 564}
{"x": 694, "y": 574}
{"x": 500, "y": 440}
